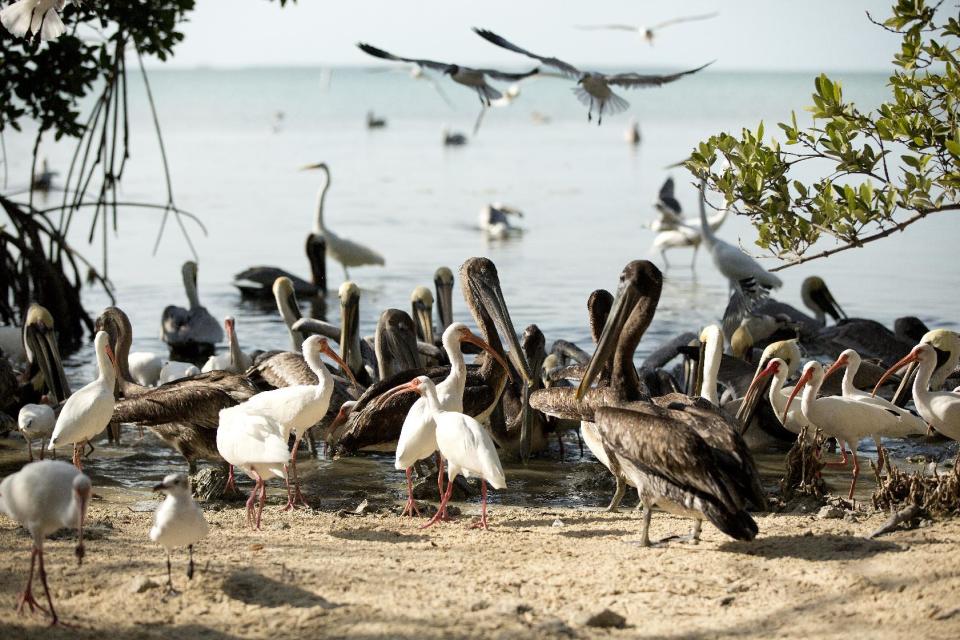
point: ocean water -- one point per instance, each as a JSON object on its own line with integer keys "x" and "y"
{"x": 586, "y": 196}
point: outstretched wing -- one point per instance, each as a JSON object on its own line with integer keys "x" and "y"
{"x": 633, "y": 80}
{"x": 503, "y": 75}
{"x": 607, "y": 27}
{"x": 667, "y": 23}
{"x": 564, "y": 67}
{"x": 380, "y": 53}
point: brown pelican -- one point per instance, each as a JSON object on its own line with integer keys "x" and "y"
{"x": 347, "y": 252}
{"x": 443, "y": 285}
{"x": 257, "y": 282}
{"x": 184, "y": 413}
{"x": 647, "y": 32}
{"x": 44, "y": 366}
{"x": 377, "y": 418}
{"x": 475, "y": 79}
{"x": 421, "y": 310}
{"x": 593, "y": 88}
{"x": 396, "y": 344}
{"x": 190, "y": 332}
{"x": 519, "y": 422}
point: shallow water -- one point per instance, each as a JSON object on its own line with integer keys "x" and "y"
{"x": 584, "y": 191}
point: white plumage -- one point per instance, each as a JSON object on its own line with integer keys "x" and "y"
{"x": 88, "y": 411}
{"x": 234, "y": 359}
{"x": 44, "y": 497}
{"x": 36, "y": 421}
{"x": 145, "y": 367}
{"x": 176, "y": 370}
{"x": 494, "y": 219}
{"x": 34, "y": 17}
{"x": 178, "y": 522}
{"x": 941, "y": 409}
{"x": 347, "y": 252}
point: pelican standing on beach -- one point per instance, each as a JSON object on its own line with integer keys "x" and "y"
{"x": 347, "y": 252}
{"x": 178, "y": 522}
{"x": 593, "y": 88}
{"x": 88, "y": 411}
{"x": 464, "y": 444}
{"x": 44, "y": 497}
{"x": 193, "y": 331}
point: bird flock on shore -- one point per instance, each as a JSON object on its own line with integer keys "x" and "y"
{"x": 680, "y": 428}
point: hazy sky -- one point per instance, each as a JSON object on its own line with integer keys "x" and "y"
{"x": 748, "y": 34}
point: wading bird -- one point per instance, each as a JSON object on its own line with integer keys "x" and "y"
{"x": 941, "y": 409}
{"x": 234, "y": 360}
{"x": 593, "y": 88}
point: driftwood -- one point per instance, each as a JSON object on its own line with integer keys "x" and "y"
{"x": 908, "y": 514}
{"x": 802, "y": 468}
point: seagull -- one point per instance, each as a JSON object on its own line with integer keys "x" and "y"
{"x": 88, "y": 411}
{"x": 648, "y": 33}
{"x": 34, "y": 17}
{"x": 494, "y": 220}
{"x": 467, "y": 76}
{"x": 178, "y": 522}
{"x": 45, "y": 496}
{"x": 593, "y": 88}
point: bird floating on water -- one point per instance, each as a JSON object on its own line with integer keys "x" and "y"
{"x": 593, "y": 87}
{"x": 191, "y": 332}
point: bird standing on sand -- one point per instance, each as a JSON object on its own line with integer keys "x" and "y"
{"x": 34, "y": 17}
{"x": 593, "y": 88}
{"x": 648, "y": 33}
{"x": 464, "y": 444}
{"x": 178, "y": 522}
{"x": 44, "y": 497}
{"x": 88, "y": 411}
{"x": 347, "y": 252}
{"x": 36, "y": 421}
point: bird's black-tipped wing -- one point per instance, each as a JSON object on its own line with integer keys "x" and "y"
{"x": 667, "y": 197}
{"x": 565, "y": 68}
{"x": 503, "y": 75}
{"x": 667, "y": 23}
{"x": 385, "y": 55}
{"x": 634, "y": 80}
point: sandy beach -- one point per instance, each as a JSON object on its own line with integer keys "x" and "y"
{"x": 537, "y": 573}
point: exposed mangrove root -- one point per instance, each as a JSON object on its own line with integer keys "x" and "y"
{"x": 936, "y": 496}
{"x": 802, "y": 468}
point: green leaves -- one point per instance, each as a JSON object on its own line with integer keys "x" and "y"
{"x": 904, "y": 156}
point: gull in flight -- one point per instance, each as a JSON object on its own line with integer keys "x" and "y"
{"x": 475, "y": 79}
{"x": 593, "y": 88}
{"x": 648, "y": 33}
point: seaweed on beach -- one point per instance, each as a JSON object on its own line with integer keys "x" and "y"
{"x": 802, "y": 468}
{"x": 936, "y": 495}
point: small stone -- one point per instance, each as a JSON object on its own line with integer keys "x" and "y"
{"x": 480, "y": 605}
{"x": 605, "y": 619}
{"x": 559, "y": 523}
{"x": 139, "y": 584}
{"x": 830, "y": 512}
{"x": 726, "y": 601}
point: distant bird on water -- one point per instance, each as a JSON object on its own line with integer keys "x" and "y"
{"x": 469, "y": 77}
{"x": 190, "y": 332}
{"x": 34, "y": 17}
{"x": 374, "y": 122}
{"x": 347, "y": 252}
{"x": 593, "y": 88}
{"x": 648, "y": 33}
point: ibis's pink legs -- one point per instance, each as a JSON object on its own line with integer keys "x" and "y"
{"x": 482, "y": 522}
{"x": 437, "y": 517}
{"x": 26, "y": 598}
{"x": 411, "y": 508}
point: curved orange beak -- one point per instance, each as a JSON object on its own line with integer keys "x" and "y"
{"x": 413, "y": 385}
{"x": 111, "y": 355}
{"x": 472, "y": 338}
{"x": 804, "y": 379}
{"x": 343, "y": 365}
{"x": 900, "y": 364}
{"x": 836, "y": 366}
{"x": 228, "y": 326}
{"x": 771, "y": 369}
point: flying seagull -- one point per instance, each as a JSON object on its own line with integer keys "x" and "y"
{"x": 593, "y": 88}
{"x": 648, "y": 33}
{"x": 475, "y": 79}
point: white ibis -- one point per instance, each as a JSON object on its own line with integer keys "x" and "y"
{"x": 347, "y": 252}
{"x": 941, "y": 409}
{"x": 593, "y": 88}
{"x": 88, "y": 411}
{"x": 145, "y": 367}
{"x": 34, "y": 17}
{"x": 234, "y": 360}
{"x": 793, "y": 419}
{"x": 44, "y": 497}
{"x": 464, "y": 444}
{"x": 295, "y": 408}
{"x": 36, "y": 421}
{"x": 418, "y": 435}
{"x": 849, "y": 421}
{"x": 178, "y": 522}
{"x": 256, "y": 445}
{"x": 912, "y": 425}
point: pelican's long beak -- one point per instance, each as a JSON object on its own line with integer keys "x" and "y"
{"x": 902, "y": 393}
{"x": 480, "y": 342}
{"x": 701, "y": 364}
{"x": 751, "y": 399}
{"x": 43, "y": 343}
{"x": 444, "y": 302}
{"x": 623, "y": 306}
{"x": 804, "y": 379}
{"x": 314, "y": 165}
{"x": 492, "y": 300}
{"x": 350, "y": 332}
{"x": 907, "y": 359}
{"x": 343, "y": 365}
{"x": 423, "y": 317}
{"x": 836, "y": 366}
{"x": 828, "y": 303}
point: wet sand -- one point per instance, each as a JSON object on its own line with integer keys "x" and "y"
{"x": 536, "y": 574}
